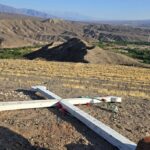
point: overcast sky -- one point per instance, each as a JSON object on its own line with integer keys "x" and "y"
{"x": 97, "y": 9}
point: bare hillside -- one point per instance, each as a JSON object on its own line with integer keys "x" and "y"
{"x": 16, "y": 31}
{"x": 23, "y": 32}
{"x": 100, "y": 56}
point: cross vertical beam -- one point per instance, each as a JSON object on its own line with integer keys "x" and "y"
{"x": 98, "y": 127}
{"x": 45, "y": 92}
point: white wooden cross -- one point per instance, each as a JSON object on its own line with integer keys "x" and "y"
{"x": 98, "y": 127}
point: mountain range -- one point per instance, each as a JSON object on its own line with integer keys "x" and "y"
{"x": 23, "y": 11}
{"x": 72, "y": 16}
{"x": 31, "y": 27}
{"x": 35, "y": 13}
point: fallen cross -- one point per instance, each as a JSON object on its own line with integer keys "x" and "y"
{"x": 98, "y": 127}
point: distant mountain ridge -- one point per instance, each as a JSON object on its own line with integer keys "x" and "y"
{"x": 28, "y": 12}
{"x": 71, "y": 16}
{"x": 34, "y": 13}
{"x": 133, "y": 23}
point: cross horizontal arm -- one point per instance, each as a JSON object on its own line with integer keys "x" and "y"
{"x": 16, "y": 105}
{"x": 48, "y": 94}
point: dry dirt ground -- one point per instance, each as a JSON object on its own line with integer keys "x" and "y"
{"x": 52, "y": 130}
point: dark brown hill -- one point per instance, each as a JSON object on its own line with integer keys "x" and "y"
{"x": 73, "y": 50}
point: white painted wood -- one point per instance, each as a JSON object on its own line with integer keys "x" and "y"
{"x": 101, "y": 129}
{"x": 48, "y": 94}
{"x": 16, "y": 105}
{"x": 110, "y": 99}
{"x": 45, "y": 92}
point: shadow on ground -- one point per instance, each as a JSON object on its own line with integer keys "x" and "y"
{"x": 31, "y": 94}
{"x": 10, "y": 140}
{"x": 74, "y": 146}
{"x": 73, "y": 50}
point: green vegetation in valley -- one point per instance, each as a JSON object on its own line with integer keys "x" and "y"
{"x": 143, "y": 55}
{"x": 15, "y": 53}
{"x": 104, "y": 44}
{"x": 124, "y": 43}
{"x": 131, "y": 49}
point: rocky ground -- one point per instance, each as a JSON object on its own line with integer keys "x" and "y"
{"x": 42, "y": 129}
{"x": 52, "y": 130}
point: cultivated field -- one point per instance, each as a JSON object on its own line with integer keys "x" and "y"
{"x": 48, "y": 128}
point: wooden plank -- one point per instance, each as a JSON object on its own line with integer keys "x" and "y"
{"x": 16, "y": 105}
{"x": 48, "y": 94}
{"x": 45, "y": 92}
{"x": 98, "y": 127}
{"x": 110, "y": 99}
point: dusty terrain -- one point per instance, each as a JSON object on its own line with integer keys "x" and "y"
{"x": 49, "y": 128}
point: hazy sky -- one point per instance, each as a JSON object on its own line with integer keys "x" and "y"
{"x": 98, "y": 9}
